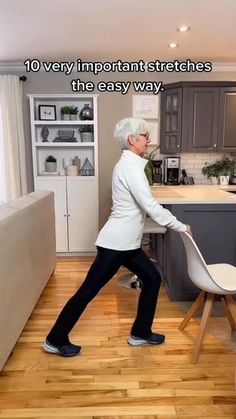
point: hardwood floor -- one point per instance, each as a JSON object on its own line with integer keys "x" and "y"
{"x": 110, "y": 379}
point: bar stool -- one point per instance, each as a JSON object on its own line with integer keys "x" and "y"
{"x": 150, "y": 227}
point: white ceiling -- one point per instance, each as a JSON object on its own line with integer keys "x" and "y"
{"x": 117, "y": 29}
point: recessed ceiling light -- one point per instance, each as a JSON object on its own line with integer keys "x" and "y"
{"x": 183, "y": 28}
{"x": 173, "y": 45}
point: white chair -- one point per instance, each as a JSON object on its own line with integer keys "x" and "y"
{"x": 214, "y": 279}
{"x": 130, "y": 280}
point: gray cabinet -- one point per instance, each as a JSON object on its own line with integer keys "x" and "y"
{"x": 203, "y": 120}
{"x": 172, "y": 119}
{"x": 227, "y": 120}
{"x": 214, "y": 230}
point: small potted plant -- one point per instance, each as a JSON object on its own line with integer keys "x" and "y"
{"x": 211, "y": 171}
{"x": 65, "y": 112}
{"x": 73, "y": 112}
{"x": 51, "y": 164}
{"x": 149, "y": 168}
{"x": 221, "y": 170}
{"x": 86, "y": 133}
{"x": 226, "y": 168}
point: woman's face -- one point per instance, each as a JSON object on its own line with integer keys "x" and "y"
{"x": 139, "y": 143}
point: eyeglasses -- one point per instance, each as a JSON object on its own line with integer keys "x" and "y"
{"x": 146, "y": 135}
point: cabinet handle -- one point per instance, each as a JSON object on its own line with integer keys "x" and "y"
{"x": 215, "y": 145}
{"x": 65, "y": 215}
{"x": 68, "y": 215}
{"x": 178, "y": 146}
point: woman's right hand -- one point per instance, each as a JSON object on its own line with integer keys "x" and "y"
{"x": 189, "y": 230}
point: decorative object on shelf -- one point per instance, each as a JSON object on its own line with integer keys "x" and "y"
{"x": 44, "y": 134}
{"x": 221, "y": 169}
{"x": 66, "y": 162}
{"x": 86, "y": 113}
{"x": 50, "y": 164}
{"x": 76, "y": 162}
{"x": 87, "y": 168}
{"x": 65, "y": 113}
{"x": 65, "y": 135}
{"x": 72, "y": 170}
{"x": 47, "y": 113}
{"x": 69, "y": 113}
{"x": 86, "y": 133}
{"x": 73, "y": 112}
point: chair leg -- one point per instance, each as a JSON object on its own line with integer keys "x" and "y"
{"x": 194, "y": 308}
{"x": 229, "y": 309}
{"x": 205, "y": 316}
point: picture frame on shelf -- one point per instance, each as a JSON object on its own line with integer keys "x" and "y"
{"x": 47, "y": 112}
{"x": 145, "y": 106}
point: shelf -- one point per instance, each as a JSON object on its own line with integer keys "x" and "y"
{"x": 71, "y": 144}
{"x": 62, "y": 122}
{"x": 79, "y": 178}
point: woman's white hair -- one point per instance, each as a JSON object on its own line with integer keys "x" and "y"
{"x": 129, "y": 126}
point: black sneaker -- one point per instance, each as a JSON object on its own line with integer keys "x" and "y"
{"x": 65, "y": 350}
{"x": 154, "y": 339}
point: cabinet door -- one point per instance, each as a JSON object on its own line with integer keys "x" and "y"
{"x": 203, "y": 119}
{"x": 227, "y": 120}
{"x": 58, "y": 186}
{"x": 82, "y": 198}
{"x": 171, "y": 116}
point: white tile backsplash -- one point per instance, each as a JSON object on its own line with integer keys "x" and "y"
{"x": 193, "y": 164}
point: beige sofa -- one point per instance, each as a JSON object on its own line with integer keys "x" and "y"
{"x": 27, "y": 260}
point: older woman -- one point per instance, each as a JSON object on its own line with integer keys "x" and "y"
{"x": 119, "y": 243}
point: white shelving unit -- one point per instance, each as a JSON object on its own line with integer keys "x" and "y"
{"x": 76, "y": 197}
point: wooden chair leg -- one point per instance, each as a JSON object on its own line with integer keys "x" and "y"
{"x": 229, "y": 309}
{"x": 205, "y": 316}
{"x": 194, "y": 308}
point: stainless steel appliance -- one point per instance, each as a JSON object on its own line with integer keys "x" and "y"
{"x": 157, "y": 172}
{"x": 172, "y": 171}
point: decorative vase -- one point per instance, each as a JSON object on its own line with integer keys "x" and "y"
{"x": 72, "y": 170}
{"x": 86, "y": 137}
{"x": 76, "y": 162}
{"x": 50, "y": 166}
{"x": 224, "y": 180}
{"x": 66, "y": 117}
{"x": 86, "y": 113}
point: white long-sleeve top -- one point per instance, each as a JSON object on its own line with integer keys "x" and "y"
{"x": 132, "y": 200}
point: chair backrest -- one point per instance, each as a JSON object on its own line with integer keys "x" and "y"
{"x": 197, "y": 268}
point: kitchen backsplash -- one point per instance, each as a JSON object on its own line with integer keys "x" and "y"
{"x": 193, "y": 164}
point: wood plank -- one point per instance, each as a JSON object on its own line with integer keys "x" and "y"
{"x": 111, "y": 379}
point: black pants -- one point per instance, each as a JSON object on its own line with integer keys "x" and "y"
{"x": 105, "y": 265}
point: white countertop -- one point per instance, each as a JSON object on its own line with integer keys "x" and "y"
{"x": 194, "y": 194}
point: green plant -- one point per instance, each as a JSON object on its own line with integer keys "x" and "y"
{"x": 225, "y": 166}
{"x": 65, "y": 110}
{"x": 51, "y": 159}
{"x": 73, "y": 110}
{"x": 221, "y": 167}
{"x": 210, "y": 170}
{"x": 86, "y": 128}
{"x": 149, "y": 168}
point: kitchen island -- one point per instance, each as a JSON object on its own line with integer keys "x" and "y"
{"x": 211, "y": 212}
